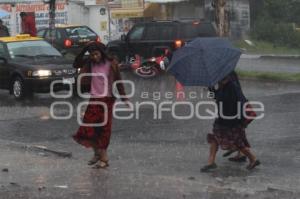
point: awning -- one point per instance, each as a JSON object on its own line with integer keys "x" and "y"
{"x": 127, "y": 13}
{"x": 164, "y": 1}
{"x": 24, "y": 1}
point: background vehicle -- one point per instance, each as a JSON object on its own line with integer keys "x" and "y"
{"x": 150, "y": 67}
{"x": 30, "y": 64}
{"x": 149, "y": 39}
{"x": 69, "y": 38}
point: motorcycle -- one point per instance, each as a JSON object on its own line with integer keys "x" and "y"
{"x": 150, "y": 67}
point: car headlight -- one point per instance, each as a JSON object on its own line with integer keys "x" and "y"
{"x": 41, "y": 73}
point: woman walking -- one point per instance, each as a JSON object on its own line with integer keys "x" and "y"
{"x": 229, "y": 133}
{"x": 97, "y": 136}
{"x": 240, "y": 157}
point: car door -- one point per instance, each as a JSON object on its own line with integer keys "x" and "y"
{"x": 59, "y": 41}
{"x": 47, "y": 37}
{"x": 4, "y": 68}
{"x": 135, "y": 42}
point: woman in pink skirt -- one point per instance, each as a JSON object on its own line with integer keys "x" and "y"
{"x": 97, "y": 135}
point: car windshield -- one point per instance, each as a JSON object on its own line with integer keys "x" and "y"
{"x": 31, "y": 49}
{"x": 81, "y": 31}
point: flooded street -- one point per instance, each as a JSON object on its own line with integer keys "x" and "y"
{"x": 149, "y": 158}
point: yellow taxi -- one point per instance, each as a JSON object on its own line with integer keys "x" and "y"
{"x": 30, "y": 64}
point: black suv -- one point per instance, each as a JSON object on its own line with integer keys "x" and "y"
{"x": 150, "y": 39}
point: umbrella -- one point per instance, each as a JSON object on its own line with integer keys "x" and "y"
{"x": 204, "y": 61}
{"x": 3, "y": 13}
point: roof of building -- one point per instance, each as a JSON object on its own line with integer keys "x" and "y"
{"x": 164, "y": 1}
{"x": 25, "y": 1}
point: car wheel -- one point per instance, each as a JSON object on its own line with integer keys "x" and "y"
{"x": 18, "y": 88}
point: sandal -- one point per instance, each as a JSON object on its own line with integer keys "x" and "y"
{"x": 228, "y": 153}
{"x": 238, "y": 159}
{"x": 253, "y": 165}
{"x": 208, "y": 168}
{"x": 102, "y": 165}
{"x": 94, "y": 160}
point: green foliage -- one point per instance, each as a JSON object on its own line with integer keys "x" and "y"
{"x": 275, "y": 20}
{"x": 269, "y": 76}
{"x": 281, "y": 10}
{"x": 265, "y": 48}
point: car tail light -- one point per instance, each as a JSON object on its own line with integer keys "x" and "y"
{"x": 178, "y": 44}
{"x": 98, "y": 39}
{"x": 68, "y": 43}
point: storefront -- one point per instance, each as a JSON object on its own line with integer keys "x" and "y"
{"x": 179, "y": 9}
{"x": 41, "y": 10}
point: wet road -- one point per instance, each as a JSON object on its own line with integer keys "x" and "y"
{"x": 150, "y": 158}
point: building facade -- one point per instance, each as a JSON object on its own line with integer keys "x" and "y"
{"x": 112, "y": 18}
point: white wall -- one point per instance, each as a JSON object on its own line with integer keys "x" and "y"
{"x": 99, "y": 23}
{"x": 90, "y": 15}
{"x": 77, "y": 14}
{"x": 188, "y": 10}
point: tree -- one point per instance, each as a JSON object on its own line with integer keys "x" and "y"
{"x": 256, "y": 7}
{"x": 222, "y": 17}
{"x": 286, "y": 11}
{"x": 274, "y": 22}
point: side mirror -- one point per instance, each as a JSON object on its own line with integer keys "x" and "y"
{"x": 3, "y": 60}
{"x": 123, "y": 37}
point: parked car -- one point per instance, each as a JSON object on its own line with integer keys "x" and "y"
{"x": 30, "y": 64}
{"x": 69, "y": 38}
{"x": 150, "y": 39}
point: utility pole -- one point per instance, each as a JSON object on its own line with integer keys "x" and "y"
{"x": 221, "y": 17}
{"x": 109, "y": 20}
{"x": 52, "y": 19}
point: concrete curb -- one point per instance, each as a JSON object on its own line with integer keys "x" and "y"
{"x": 36, "y": 148}
{"x": 254, "y": 56}
{"x": 280, "y": 56}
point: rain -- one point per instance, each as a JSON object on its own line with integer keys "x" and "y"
{"x": 152, "y": 154}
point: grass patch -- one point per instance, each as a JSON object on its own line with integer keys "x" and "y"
{"x": 262, "y": 47}
{"x": 269, "y": 76}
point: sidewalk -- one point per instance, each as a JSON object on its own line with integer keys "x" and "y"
{"x": 275, "y": 56}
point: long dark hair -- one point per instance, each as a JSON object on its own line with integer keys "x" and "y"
{"x": 101, "y": 48}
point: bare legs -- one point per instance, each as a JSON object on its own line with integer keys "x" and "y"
{"x": 96, "y": 156}
{"x": 100, "y": 155}
{"x": 212, "y": 153}
{"x": 253, "y": 161}
{"x": 212, "y": 157}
